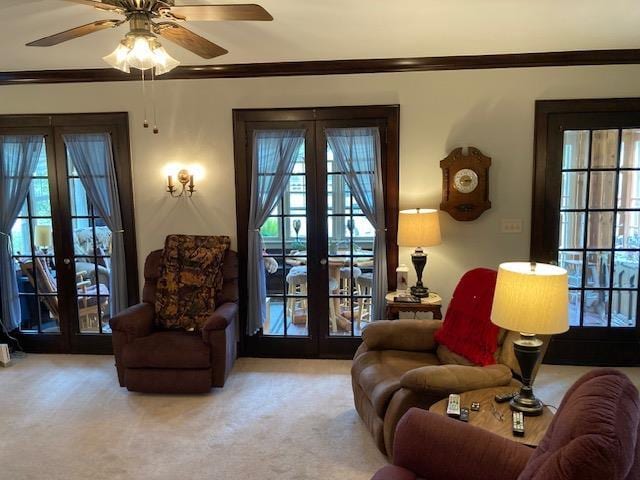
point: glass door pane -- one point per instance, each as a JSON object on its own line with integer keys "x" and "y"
{"x": 284, "y": 237}
{"x": 34, "y": 256}
{"x": 350, "y": 245}
{"x": 599, "y": 231}
{"x": 91, "y": 239}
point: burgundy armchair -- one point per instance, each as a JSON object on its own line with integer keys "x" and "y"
{"x": 595, "y": 435}
{"x": 150, "y": 359}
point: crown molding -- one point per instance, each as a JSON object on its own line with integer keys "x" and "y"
{"x": 337, "y": 67}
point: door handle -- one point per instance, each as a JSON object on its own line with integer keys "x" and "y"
{"x": 66, "y": 261}
{"x": 323, "y": 262}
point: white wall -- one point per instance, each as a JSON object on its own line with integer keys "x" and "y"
{"x": 490, "y": 109}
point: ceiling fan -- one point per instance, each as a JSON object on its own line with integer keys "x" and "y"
{"x": 140, "y": 47}
{"x": 141, "y": 15}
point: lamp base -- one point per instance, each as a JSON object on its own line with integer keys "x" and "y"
{"x": 419, "y": 291}
{"x": 527, "y": 403}
{"x": 527, "y": 351}
{"x": 419, "y": 260}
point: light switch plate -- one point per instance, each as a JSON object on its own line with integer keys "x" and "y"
{"x": 511, "y": 225}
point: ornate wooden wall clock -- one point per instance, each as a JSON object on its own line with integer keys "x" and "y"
{"x": 465, "y": 184}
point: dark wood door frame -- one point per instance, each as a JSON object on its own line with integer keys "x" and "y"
{"x": 52, "y": 126}
{"x": 588, "y": 346}
{"x": 387, "y": 117}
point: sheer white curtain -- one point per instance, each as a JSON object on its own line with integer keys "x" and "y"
{"x": 357, "y": 153}
{"x": 92, "y": 156}
{"x": 274, "y": 156}
{"x": 19, "y": 156}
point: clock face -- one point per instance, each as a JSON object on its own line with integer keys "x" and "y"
{"x": 465, "y": 180}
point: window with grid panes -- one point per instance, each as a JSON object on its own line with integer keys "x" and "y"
{"x": 599, "y": 239}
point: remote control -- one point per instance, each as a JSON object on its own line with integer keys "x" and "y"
{"x": 518, "y": 424}
{"x": 453, "y": 407}
{"x": 406, "y": 299}
{"x": 504, "y": 397}
{"x": 464, "y": 414}
{"x": 475, "y": 406}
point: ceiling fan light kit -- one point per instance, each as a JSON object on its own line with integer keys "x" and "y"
{"x": 140, "y": 47}
{"x": 142, "y": 53}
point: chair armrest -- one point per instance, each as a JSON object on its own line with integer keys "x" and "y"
{"x": 135, "y": 321}
{"x": 434, "y": 446}
{"x": 456, "y": 378}
{"x": 409, "y": 335}
{"x": 393, "y": 472}
{"x": 362, "y": 348}
{"x": 220, "y": 319}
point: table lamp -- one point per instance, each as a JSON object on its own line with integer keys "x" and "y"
{"x": 530, "y": 298}
{"x": 42, "y": 237}
{"x": 419, "y": 227}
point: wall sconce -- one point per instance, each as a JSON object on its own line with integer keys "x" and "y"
{"x": 186, "y": 180}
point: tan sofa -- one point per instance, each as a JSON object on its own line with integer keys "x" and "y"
{"x": 399, "y": 365}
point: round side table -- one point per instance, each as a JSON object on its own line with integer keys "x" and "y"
{"x": 498, "y": 421}
{"x": 432, "y": 303}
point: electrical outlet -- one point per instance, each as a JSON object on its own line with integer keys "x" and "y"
{"x": 511, "y": 225}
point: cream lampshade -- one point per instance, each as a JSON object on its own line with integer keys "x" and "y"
{"x": 419, "y": 227}
{"x": 530, "y": 298}
{"x": 42, "y": 236}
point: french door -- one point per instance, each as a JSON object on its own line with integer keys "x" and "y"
{"x": 61, "y": 246}
{"x": 587, "y": 220}
{"x": 317, "y": 242}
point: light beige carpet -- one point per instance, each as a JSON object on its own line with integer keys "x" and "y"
{"x": 65, "y": 417}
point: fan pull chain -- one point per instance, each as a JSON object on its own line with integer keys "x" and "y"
{"x": 144, "y": 102}
{"x": 153, "y": 101}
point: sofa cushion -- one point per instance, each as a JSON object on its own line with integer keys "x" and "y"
{"x": 171, "y": 349}
{"x": 378, "y": 373}
{"x": 447, "y": 357}
{"x": 191, "y": 276}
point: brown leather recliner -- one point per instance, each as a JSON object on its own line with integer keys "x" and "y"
{"x": 149, "y": 359}
{"x": 399, "y": 365}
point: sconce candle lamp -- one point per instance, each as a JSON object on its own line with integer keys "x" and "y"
{"x": 186, "y": 180}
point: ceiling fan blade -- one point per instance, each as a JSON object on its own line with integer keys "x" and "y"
{"x": 189, "y": 40}
{"x": 96, "y": 4}
{"x": 74, "y": 33}
{"x": 248, "y": 11}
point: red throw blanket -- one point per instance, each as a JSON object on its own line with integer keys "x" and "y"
{"x": 467, "y": 328}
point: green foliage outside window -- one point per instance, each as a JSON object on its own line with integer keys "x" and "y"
{"x": 270, "y": 228}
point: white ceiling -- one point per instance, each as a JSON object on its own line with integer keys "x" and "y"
{"x": 338, "y": 29}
